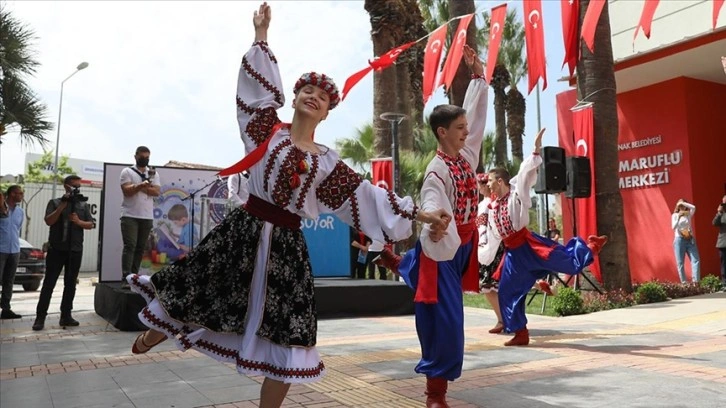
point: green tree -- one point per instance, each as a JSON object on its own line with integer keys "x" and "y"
{"x": 35, "y": 174}
{"x": 20, "y": 109}
{"x": 360, "y": 148}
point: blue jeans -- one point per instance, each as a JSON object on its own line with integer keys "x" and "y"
{"x": 681, "y": 247}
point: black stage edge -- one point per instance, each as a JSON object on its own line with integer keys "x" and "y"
{"x": 334, "y": 298}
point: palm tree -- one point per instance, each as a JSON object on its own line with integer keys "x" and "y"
{"x": 359, "y": 149}
{"x": 511, "y": 68}
{"x": 596, "y": 84}
{"x": 394, "y": 22}
{"x": 457, "y": 91}
{"x": 20, "y": 108}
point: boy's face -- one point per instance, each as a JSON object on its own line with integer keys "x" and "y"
{"x": 181, "y": 221}
{"x": 453, "y": 138}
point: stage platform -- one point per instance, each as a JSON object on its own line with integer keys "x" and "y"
{"x": 334, "y": 298}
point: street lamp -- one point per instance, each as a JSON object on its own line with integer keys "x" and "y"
{"x": 82, "y": 65}
{"x": 394, "y": 119}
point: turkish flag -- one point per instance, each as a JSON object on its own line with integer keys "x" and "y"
{"x": 387, "y": 59}
{"x": 570, "y": 21}
{"x": 382, "y": 172}
{"x": 586, "y": 210}
{"x": 432, "y": 59}
{"x": 456, "y": 51}
{"x": 646, "y": 18}
{"x": 717, "y": 4}
{"x": 354, "y": 79}
{"x": 499, "y": 15}
{"x": 589, "y": 23}
{"x": 534, "y": 39}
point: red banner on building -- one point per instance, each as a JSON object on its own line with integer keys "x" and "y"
{"x": 534, "y": 40}
{"x": 382, "y": 172}
{"x": 499, "y": 15}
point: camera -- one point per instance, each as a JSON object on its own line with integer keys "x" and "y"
{"x": 75, "y": 196}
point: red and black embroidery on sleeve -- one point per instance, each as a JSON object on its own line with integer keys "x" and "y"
{"x": 393, "y": 201}
{"x": 339, "y": 186}
{"x": 266, "y": 49}
{"x": 258, "y": 129}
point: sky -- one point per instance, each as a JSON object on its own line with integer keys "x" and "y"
{"x": 163, "y": 74}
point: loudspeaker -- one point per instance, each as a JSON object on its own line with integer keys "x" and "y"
{"x": 578, "y": 177}
{"x": 552, "y": 173}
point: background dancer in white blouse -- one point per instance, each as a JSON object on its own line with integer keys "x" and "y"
{"x": 245, "y": 294}
{"x": 488, "y": 281}
{"x": 528, "y": 256}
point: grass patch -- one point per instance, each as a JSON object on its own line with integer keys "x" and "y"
{"x": 479, "y": 301}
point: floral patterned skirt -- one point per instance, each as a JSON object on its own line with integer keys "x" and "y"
{"x": 487, "y": 283}
{"x": 223, "y": 303}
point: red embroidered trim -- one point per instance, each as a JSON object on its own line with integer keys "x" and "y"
{"x": 502, "y": 219}
{"x": 465, "y": 186}
{"x": 480, "y": 76}
{"x": 231, "y": 354}
{"x": 265, "y": 48}
{"x": 259, "y": 127}
{"x": 397, "y": 208}
{"x": 262, "y": 80}
{"x": 244, "y": 107}
{"x": 149, "y": 292}
{"x": 355, "y": 212}
{"x": 339, "y": 186}
{"x": 282, "y": 192}
{"x": 271, "y": 161}
{"x": 308, "y": 182}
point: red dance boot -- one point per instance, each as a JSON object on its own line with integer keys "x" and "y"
{"x": 596, "y": 243}
{"x": 521, "y": 338}
{"x": 436, "y": 392}
{"x": 388, "y": 260}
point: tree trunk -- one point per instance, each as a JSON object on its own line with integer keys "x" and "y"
{"x": 596, "y": 84}
{"x": 414, "y": 57}
{"x": 500, "y": 80}
{"x": 463, "y": 76}
{"x": 516, "y": 108}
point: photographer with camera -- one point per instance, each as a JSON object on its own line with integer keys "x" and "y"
{"x": 720, "y": 221}
{"x": 139, "y": 184}
{"x": 67, "y": 217}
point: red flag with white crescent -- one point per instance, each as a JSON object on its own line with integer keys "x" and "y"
{"x": 354, "y": 79}
{"x": 456, "y": 51}
{"x": 499, "y": 15}
{"x": 646, "y": 18}
{"x": 432, "y": 59}
{"x": 390, "y": 57}
{"x": 586, "y": 210}
{"x": 534, "y": 40}
{"x": 717, "y": 4}
{"x": 570, "y": 21}
{"x": 589, "y": 23}
{"x": 382, "y": 172}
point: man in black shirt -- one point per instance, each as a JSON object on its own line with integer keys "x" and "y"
{"x": 67, "y": 217}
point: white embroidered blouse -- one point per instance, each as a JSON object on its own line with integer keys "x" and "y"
{"x": 510, "y": 213}
{"x": 450, "y": 182}
{"x": 304, "y": 183}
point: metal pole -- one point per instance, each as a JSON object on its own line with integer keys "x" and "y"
{"x": 543, "y": 219}
{"x": 394, "y": 151}
{"x": 57, "y": 142}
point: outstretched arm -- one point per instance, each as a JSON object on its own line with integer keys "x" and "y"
{"x": 475, "y": 104}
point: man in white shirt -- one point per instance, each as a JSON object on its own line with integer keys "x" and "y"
{"x": 139, "y": 184}
{"x": 237, "y": 191}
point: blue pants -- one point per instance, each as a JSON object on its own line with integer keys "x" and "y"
{"x": 522, "y": 267}
{"x": 681, "y": 247}
{"x": 440, "y": 326}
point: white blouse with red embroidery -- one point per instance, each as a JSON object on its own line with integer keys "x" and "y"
{"x": 510, "y": 213}
{"x": 304, "y": 183}
{"x": 450, "y": 182}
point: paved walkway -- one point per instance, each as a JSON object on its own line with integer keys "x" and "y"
{"x": 671, "y": 354}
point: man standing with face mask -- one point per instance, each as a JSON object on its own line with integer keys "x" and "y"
{"x": 139, "y": 184}
{"x": 67, "y": 217}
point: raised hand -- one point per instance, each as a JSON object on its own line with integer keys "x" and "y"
{"x": 472, "y": 61}
{"x": 262, "y": 17}
{"x": 538, "y": 141}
